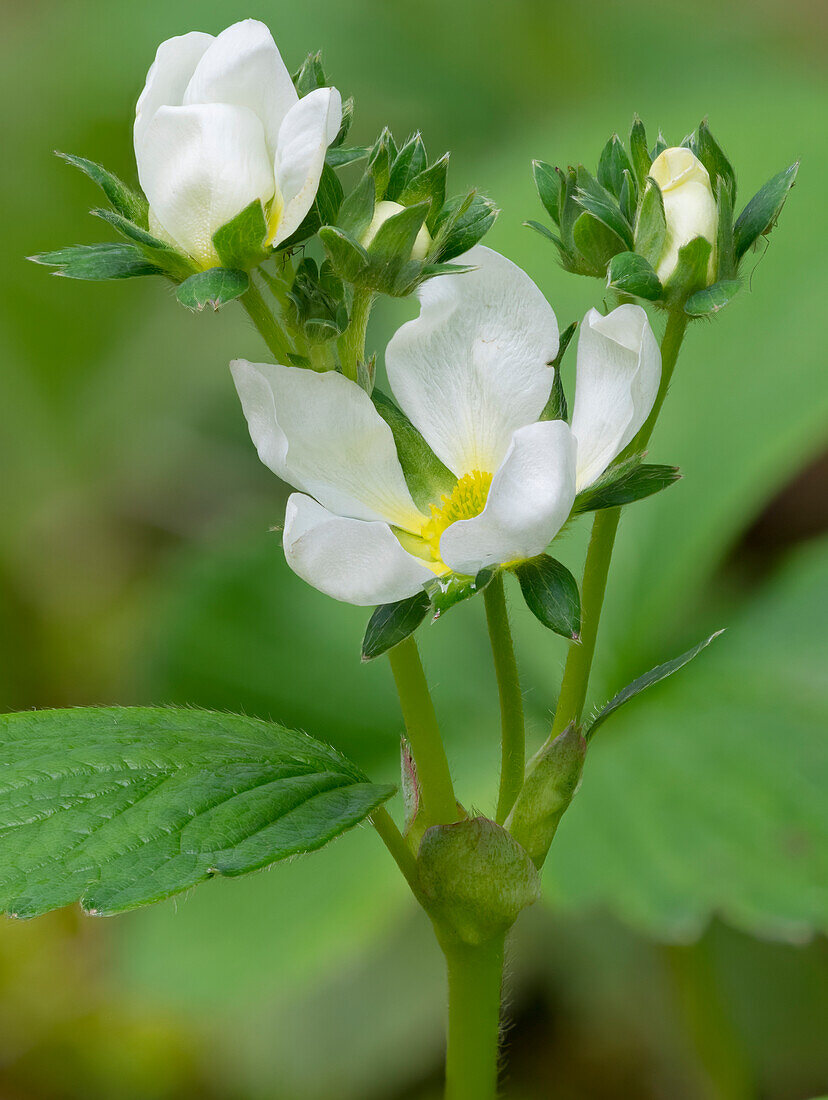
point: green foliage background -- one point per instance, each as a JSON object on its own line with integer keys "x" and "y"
{"x": 136, "y": 567}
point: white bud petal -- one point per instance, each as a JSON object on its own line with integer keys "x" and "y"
{"x": 689, "y": 206}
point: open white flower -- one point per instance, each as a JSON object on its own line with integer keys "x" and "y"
{"x": 472, "y": 374}
{"x": 219, "y": 124}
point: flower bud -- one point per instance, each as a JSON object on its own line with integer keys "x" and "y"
{"x": 689, "y": 207}
{"x": 382, "y": 212}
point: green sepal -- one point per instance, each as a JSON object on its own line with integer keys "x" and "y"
{"x": 391, "y": 269}
{"x": 357, "y": 208}
{"x": 551, "y": 594}
{"x": 659, "y": 147}
{"x": 392, "y": 623}
{"x": 347, "y": 257}
{"x": 319, "y": 301}
{"x": 556, "y": 407}
{"x": 428, "y": 186}
{"x": 660, "y": 672}
{"x": 612, "y": 164}
{"x": 602, "y": 205}
{"x": 629, "y": 197}
{"x": 409, "y": 162}
{"x": 323, "y": 211}
{"x": 690, "y": 272}
{"x": 706, "y": 302}
{"x": 625, "y": 483}
{"x": 338, "y": 156}
{"x": 157, "y": 252}
{"x": 596, "y": 243}
{"x": 639, "y": 154}
{"x": 630, "y": 273}
{"x": 461, "y": 224}
{"x": 726, "y": 264}
{"x": 425, "y": 475}
{"x": 715, "y": 160}
{"x": 651, "y": 224}
{"x": 552, "y": 778}
{"x": 131, "y": 204}
{"x": 760, "y": 214}
{"x": 108, "y": 260}
{"x": 240, "y": 243}
{"x": 311, "y": 74}
{"x": 214, "y": 288}
{"x": 119, "y": 807}
{"x": 382, "y": 155}
{"x": 549, "y": 182}
{"x": 546, "y": 232}
{"x": 453, "y": 588}
{"x": 476, "y": 879}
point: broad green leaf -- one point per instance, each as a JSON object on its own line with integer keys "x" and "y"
{"x": 660, "y": 672}
{"x": 426, "y": 476}
{"x": 214, "y": 288}
{"x": 630, "y": 273}
{"x": 639, "y": 154}
{"x": 97, "y": 261}
{"x": 240, "y": 243}
{"x": 712, "y": 298}
{"x": 651, "y": 225}
{"x": 127, "y": 202}
{"x": 760, "y": 214}
{"x": 548, "y": 181}
{"x": 120, "y": 807}
{"x": 392, "y": 623}
{"x": 551, "y": 594}
{"x": 625, "y": 483}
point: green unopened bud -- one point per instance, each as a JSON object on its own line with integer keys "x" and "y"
{"x": 382, "y": 212}
{"x": 552, "y": 777}
{"x": 689, "y": 207}
{"x": 476, "y": 878}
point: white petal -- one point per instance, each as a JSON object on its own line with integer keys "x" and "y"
{"x": 322, "y": 434}
{"x": 472, "y": 368}
{"x": 168, "y": 77}
{"x": 199, "y": 167}
{"x": 307, "y": 131}
{"x": 244, "y": 68}
{"x": 618, "y": 374}
{"x": 529, "y": 501}
{"x": 349, "y": 559}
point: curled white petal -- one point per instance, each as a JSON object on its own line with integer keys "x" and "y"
{"x": 351, "y": 560}
{"x": 243, "y": 67}
{"x": 473, "y": 367}
{"x": 168, "y": 77}
{"x": 690, "y": 208}
{"x": 618, "y": 375}
{"x": 199, "y": 166}
{"x": 529, "y": 501}
{"x": 322, "y": 434}
{"x": 308, "y": 129}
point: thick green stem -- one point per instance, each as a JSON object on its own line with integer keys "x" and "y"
{"x": 513, "y": 730}
{"x": 351, "y": 343}
{"x": 596, "y": 568}
{"x": 266, "y": 324}
{"x": 437, "y": 790}
{"x": 475, "y": 977}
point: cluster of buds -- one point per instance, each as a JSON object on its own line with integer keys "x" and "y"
{"x": 659, "y": 223}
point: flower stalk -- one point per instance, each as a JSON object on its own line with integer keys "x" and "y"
{"x": 513, "y": 732}
{"x": 475, "y": 978}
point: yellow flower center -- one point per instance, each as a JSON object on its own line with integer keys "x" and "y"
{"x": 466, "y": 500}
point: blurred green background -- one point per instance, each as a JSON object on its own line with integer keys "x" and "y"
{"x": 681, "y": 953}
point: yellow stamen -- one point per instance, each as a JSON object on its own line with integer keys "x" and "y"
{"x": 466, "y": 500}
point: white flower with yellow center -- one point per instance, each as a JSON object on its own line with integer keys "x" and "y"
{"x": 218, "y": 125}
{"x": 472, "y": 375}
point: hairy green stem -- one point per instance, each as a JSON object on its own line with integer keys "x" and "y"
{"x": 513, "y": 730}
{"x": 437, "y": 790}
{"x": 599, "y": 555}
{"x": 396, "y": 844}
{"x": 351, "y": 343}
{"x": 270, "y": 331}
{"x": 475, "y": 977}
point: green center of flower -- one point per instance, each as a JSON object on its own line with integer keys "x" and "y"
{"x": 466, "y": 500}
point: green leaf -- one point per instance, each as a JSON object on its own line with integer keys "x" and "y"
{"x": 97, "y": 261}
{"x": 348, "y": 258}
{"x": 426, "y": 476}
{"x": 596, "y": 243}
{"x": 462, "y": 223}
{"x": 240, "y": 242}
{"x": 392, "y": 623}
{"x": 127, "y": 202}
{"x": 651, "y": 225}
{"x": 760, "y": 214}
{"x": 214, "y": 287}
{"x": 612, "y": 164}
{"x": 602, "y": 205}
{"x": 625, "y": 483}
{"x": 428, "y": 186}
{"x": 551, "y": 594}
{"x": 639, "y": 154}
{"x": 549, "y": 182}
{"x": 712, "y": 298}
{"x": 713, "y": 157}
{"x": 630, "y": 273}
{"x": 155, "y": 250}
{"x": 120, "y": 807}
{"x": 660, "y": 672}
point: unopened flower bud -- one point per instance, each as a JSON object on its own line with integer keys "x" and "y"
{"x": 385, "y": 210}
{"x": 689, "y": 207}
